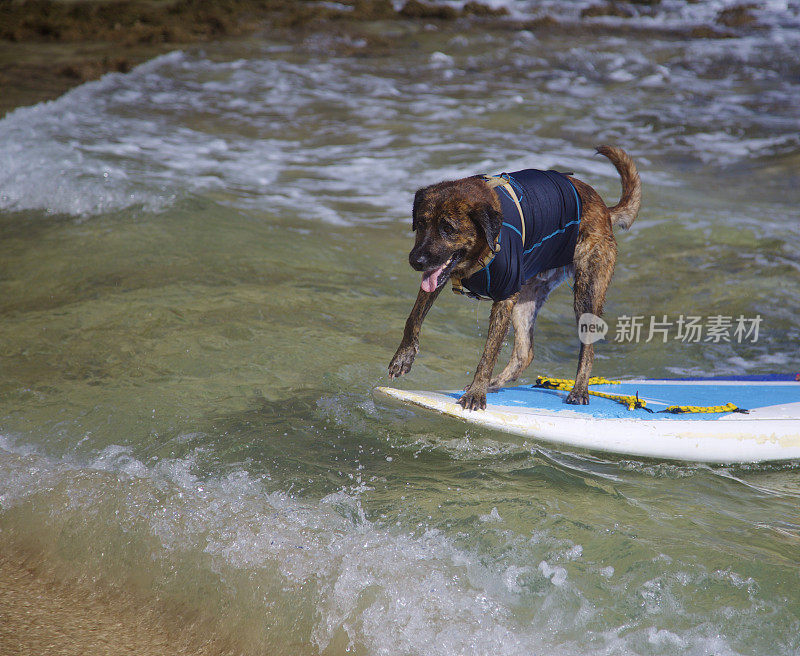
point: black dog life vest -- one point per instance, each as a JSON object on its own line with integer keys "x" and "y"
{"x": 541, "y": 215}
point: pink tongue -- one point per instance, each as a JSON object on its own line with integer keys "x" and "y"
{"x": 430, "y": 279}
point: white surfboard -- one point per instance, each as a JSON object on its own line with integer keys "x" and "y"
{"x": 769, "y": 432}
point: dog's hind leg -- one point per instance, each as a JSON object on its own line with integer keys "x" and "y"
{"x": 591, "y": 283}
{"x": 532, "y": 296}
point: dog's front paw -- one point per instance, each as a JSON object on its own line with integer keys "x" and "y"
{"x": 474, "y": 398}
{"x": 402, "y": 360}
{"x": 578, "y": 397}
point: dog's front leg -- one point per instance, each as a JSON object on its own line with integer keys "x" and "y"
{"x": 409, "y": 346}
{"x": 474, "y": 397}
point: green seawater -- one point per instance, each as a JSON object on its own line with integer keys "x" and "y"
{"x": 203, "y": 275}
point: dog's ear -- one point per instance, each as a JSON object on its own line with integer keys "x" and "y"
{"x": 488, "y": 220}
{"x": 417, "y": 201}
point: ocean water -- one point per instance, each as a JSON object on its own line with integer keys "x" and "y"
{"x": 203, "y": 273}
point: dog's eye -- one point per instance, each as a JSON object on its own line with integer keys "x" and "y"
{"x": 447, "y": 228}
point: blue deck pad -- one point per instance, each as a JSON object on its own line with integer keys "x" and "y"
{"x": 658, "y": 397}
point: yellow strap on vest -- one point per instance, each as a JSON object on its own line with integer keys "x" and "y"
{"x": 497, "y": 181}
{"x": 494, "y": 181}
{"x": 633, "y": 402}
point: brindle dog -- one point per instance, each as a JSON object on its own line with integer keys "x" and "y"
{"x": 456, "y": 225}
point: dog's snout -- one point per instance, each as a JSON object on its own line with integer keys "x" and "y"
{"x": 419, "y": 260}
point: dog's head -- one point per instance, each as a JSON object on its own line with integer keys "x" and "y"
{"x": 456, "y": 224}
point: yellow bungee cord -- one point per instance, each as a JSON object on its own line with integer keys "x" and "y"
{"x": 632, "y": 402}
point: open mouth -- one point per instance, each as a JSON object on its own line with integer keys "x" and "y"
{"x": 435, "y": 278}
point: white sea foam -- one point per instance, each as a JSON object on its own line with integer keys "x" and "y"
{"x": 387, "y": 591}
{"x": 322, "y": 137}
{"x": 557, "y": 575}
{"x": 123, "y": 142}
{"x": 424, "y": 600}
{"x": 779, "y": 14}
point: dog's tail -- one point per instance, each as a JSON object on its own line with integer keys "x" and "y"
{"x": 623, "y": 214}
